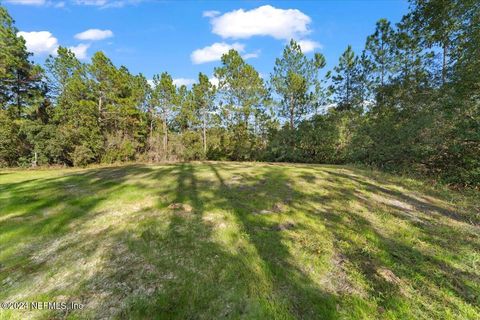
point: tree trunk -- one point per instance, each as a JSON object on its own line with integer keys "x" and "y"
{"x": 382, "y": 76}
{"x": 35, "y": 160}
{"x": 19, "y": 107}
{"x": 348, "y": 90}
{"x": 246, "y": 115}
{"x": 292, "y": 110}
{"x": 100, "y": 108}
{"x": 165, "y": 138}
{"x": 204, "y": 133}
{"x": 382, "y": 73}
{"x": 151, "y": 124}
{"x": 152, "y": 119}
{"x": 444, "y": 62}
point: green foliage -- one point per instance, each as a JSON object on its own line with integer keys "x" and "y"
{"x": 82, "y": 155}
{"x": 347, "y": 81}
{"x": 408, "y": 102}
{"x": 119, "y": 148}
{"x": 242, "y": 97}
{"x": 204, "y": 101}
{"x": 295, "y": 80}
{"x": 20, "y": 80}
{"x": 8, "y": 140}
{"x": 193, "y": 146}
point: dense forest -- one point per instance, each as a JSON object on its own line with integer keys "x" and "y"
{"x": 410, "y": 101}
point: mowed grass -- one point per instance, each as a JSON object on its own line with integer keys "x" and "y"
{"x": 237, "y": 241}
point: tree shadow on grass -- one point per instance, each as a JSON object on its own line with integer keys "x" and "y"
{"x": 49, "y": 205}
{"x": 158, "y": 262}
{"x": 392, "y": 265}
{"x": 393, "y": 268}
{"x": 41, "y": 225}
{"x": 190, "y": 275}
{"x": 420, "y": 213}
{"x": 389, "y": 265}
{"x": 193, "y": 275}
{"x": 292, "y": 288}
{"x": 418, "y": 203}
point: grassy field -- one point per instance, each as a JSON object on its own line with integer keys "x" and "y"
{"x": 237, "y": 240}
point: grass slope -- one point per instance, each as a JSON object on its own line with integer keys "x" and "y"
{"x": 237, "y": 240}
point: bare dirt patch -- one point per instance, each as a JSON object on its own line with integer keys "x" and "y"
{"x": 337, "y": 280}
{"x": 284, "y": 226}
{"x": 181, "y": 207}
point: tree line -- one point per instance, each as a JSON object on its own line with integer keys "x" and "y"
{"x": 409, "y": 101}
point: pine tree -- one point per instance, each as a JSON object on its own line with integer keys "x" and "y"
{"x": 295, "y": 80}
{"x": 379, "y": 56}
{"x": 164, "y": 98}
{"x": 22, "y": 91}
{"x": 436, "y": 21}
{"x": 347, "y": 82}
{"x": 204, "y": 94}
{"x": 241, "y": 92}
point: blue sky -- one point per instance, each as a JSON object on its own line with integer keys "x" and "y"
{"x": 186, "y": 37}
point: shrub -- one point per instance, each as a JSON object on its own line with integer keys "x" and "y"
{"x": 82, "y": 156}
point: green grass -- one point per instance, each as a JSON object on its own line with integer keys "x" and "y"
{"x": 245, "y": 240}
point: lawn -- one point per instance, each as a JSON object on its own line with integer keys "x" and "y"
{"x": 237, "y": 240}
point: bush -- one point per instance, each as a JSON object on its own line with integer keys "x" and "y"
{"x": 192, "y": 146}
{"x": 119, "y": 148}
{"x": 9, "y": 141}
{"x": 82, "y": 156}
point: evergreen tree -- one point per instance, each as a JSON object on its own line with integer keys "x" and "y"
{"x": 164, "y": 99}
{"x": 21, "y": 92}
{"x": 242, "y": 91}
{"x": 379, "y": 58}
{"x": 204, "y": 95}
{"x": 347, "y": 82}
{"x": 295, "y": 80}
{"x": 60, "y": 69}
{"x": 437, "y": 21}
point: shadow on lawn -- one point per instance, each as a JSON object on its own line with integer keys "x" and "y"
{"x": 419, "y": 204}
{"x": 71, "y": 197}
{"x": 391, "y": 268}
{"x": 201, "y": 279}
{"x": 410, "y": 267}
{"x": 167, "y": 265}
{"x": 291, "y": 286}
{"x": 197, "y": 277}
{"x": 38, "y": 218}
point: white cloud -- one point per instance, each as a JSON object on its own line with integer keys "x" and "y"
{"x": 178, "y": 82}
{"x": 28, "y": 2}
{"x": 43, "y": 42}
{"x": 61, "y": 4}
{"x": 48, "y": 3}
{"x": 40, "y": 42}
{"x": 251, "y": 55}
{"x": 210, "y": 13}
{"x": 214, "y": 80}
{"x": 92, "y": 2}
{"x": 308, "y": 45}
{"x": 107, "y": 3}
{"x": 214, "y": 52}
{"x": 80, "y": 50}
{"x": 262, "y": 21}
{"x": 94, "y": 34}
{"x": 183, "y": 82}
